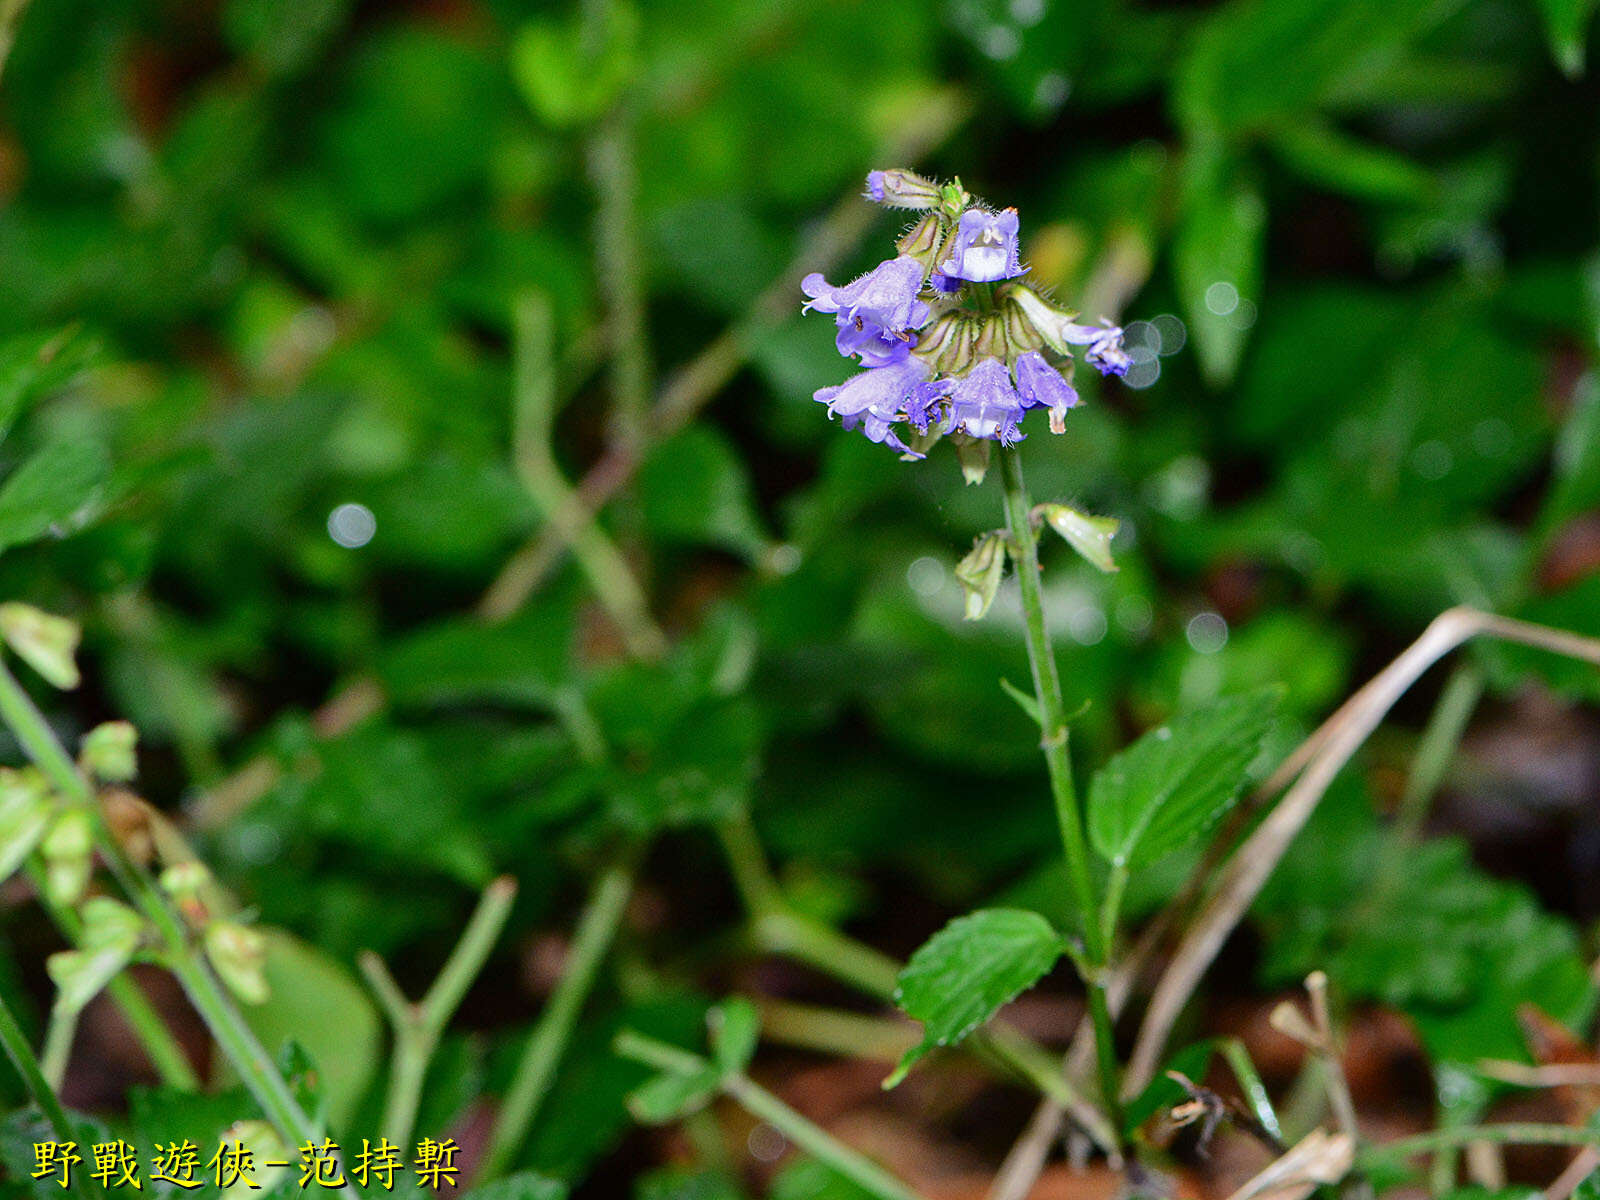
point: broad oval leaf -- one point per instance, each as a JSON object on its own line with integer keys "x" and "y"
{"x": 1172, "y": 785}
{"x": 962, "y": 975}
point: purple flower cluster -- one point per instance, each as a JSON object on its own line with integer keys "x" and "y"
{"x": 982, "y": 370}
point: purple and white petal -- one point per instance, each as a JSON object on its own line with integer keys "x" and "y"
{"x": 984, "y": 249}
{"x": 983, "y": 404}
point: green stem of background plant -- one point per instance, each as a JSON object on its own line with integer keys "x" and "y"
{"x": 20, "y": 1053}
{"x": 776, "y": 929}
{"x": 763, "y": 1105}
{"x": 233, "y": 1036}
{"x": 418, "y": 1027}
{"x": 536, "y": 1072}
{"x": 1058, "y": 761}
{"x": 1514, "y": 1134}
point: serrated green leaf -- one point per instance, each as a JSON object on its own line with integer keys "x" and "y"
{"x": 967, "y": 971}
{"x": 735, "y": 1029}
{"x": 1171, "y": 785}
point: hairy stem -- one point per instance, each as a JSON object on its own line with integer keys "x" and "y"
{"x": 530, "y": 1086}
{"x": 1058, "y": 761}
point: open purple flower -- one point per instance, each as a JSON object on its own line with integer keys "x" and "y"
{"x": 984, "y": 248}
{"x": 878, "y": 397}
{"x": 1105, "y": 353}
{"x": 1042, "y": 386}
{"x": 874, "y": 345}
{"x": 983, "y": 404}
{"x": 885, "y": 296}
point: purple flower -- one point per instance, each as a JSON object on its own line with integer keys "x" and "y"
{"x": 984, "y": 248}
{"x": 880, "y": 396}
{"x": 874, "y": 190}
{"x": 1105, "y": 352}
{"x": 885, "y": 296}
{"x": 983, "y": 403}
{"x": 1042, "y": 386}
{"x": 873, "y": 344}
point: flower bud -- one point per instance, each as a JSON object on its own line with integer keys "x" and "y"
{"x": 981, "y": 570}
{"x": 899, "y": 188}
{"x": 68, "y": 852}
{"x": 1089, "y": 536}
{"x": 240, "y": 955}
{"x": 47, "y": 643}
{"x": 953, "y": 199}
{"x": 107, "y": 751}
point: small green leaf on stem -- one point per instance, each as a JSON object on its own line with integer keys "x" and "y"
{"x": 1025, "y": 702}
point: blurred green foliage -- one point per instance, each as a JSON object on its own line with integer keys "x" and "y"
{"x": 258, "y": 260}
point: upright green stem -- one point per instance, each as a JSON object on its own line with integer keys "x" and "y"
{"x": 418, "y": 1027}
{"x": 1058, "y": 762}
{"x": 535, "y": 1073}
{"x": 20, "y": 1053}
{"x": 233, "y": 1036}
{"x": 1047, "y": 689}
